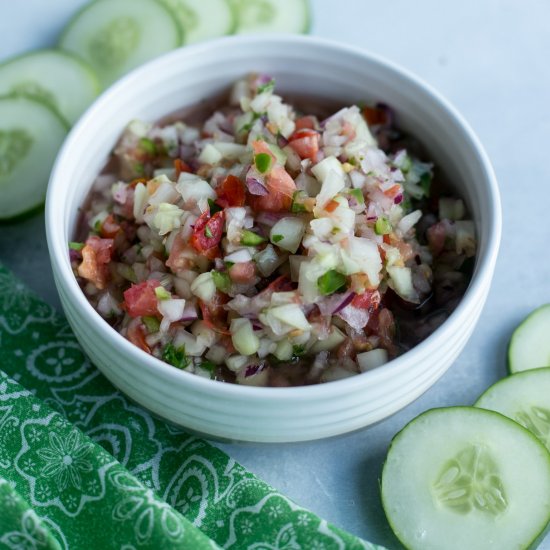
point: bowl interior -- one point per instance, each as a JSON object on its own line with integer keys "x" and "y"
{"x": 302, "y": 66}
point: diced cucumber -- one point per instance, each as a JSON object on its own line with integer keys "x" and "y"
{"x": 530, "y": 345}
{"x": 31, "y": 133}
{"x": 525, "y": 398}
{"x": 272, "y": 16}
{"x": 65, "y": 82}
{"x": 243, "y": 337}
{"x": 203, "y": 19}
{"x": 463, "y": 477}
{"x": 287, "y": 233}
{"x": 115, "y": 36}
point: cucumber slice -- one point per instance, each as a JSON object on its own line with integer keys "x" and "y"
{"x": 115, "y": 36}
{"x": 466, "y": 478}
{"x": 31, "y": 133}
{"x": 202, "y": 19}
{"x": 530, "y": 344}
{"x": 525, "y": 398}
{"x": 272, "y": 16}
{"x": 66, "y": 83}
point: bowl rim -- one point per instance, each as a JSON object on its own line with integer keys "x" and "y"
{"x": 475, "y": 292}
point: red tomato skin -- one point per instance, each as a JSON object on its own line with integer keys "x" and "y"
{"x": 305, "y": 143}
{"x": 136, "y": 335}
{"x": 305, "y": 122}
{"x": 140, "y": 300}
{"x": 208, "y": 231}
{"x": 370, "y": 299}
{"x": 231, "y": 192}
{"x": 242, "y": 273}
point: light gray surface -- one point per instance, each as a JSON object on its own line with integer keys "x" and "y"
{"x": 489, "y": 58}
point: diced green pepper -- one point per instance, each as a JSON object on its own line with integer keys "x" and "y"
{"x": 152, "y": 324}
{"x": 330, "y": 282}
{"x": 76, "y": 246}
{"x": 162, "y": 294}
{"x": 148, "y": 145}
{"x": 297, "y": 205}
{"x": 221, "y": 281}
{"x": 357, "y": 194}
{"x": 249, "y": 238}
{"x": 262, "y": 162}
{"x": 382, "y": 226}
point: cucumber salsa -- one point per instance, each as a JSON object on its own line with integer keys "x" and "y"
{"x": 273, "y": 243}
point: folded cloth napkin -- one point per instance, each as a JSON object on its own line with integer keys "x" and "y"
{"x": 83, "y": 467}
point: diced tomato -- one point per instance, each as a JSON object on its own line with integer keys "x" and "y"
{"x": 231, "y": 192}
{"x": 96, "y": 256}
{"x": 386, "y": 330}
{"x": 214, "y": 313}
{"x": 332, "y": 205}
{"x": 374, "y": 116}
{"x": 109, "y": 228}
{"x": 393, "y": 191}
{"x": 260, "y": 146}
{"x": 346, "y": 349}
{"x": 370, "y": 299}
{"x": 242, "y": 272}
{"x": 135, "y": 181}
{"x": 306, "y": 143}
{"x": 181, "y": 166}
{"x": 280, "y": 187}
{"x": 136, "y": 334}
{"x": 140, "y": 300}
{"x": 208, "y": 231}
{"x": 180, "y": 254}
{"x": 348, "y": 130}
{"x": 436, "y": 235}
{"x": 305, "y": 122}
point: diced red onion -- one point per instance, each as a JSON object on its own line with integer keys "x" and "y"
{"x": 189, "y": 313}
{"x": 253, "y": 369}
{"x": 262, "y": 79}
{"x": 74, "y": 255}
{"x": 355, "y": 317}
{"x": 120, "y": 192}
{"x": 335, "y": 303}
{"x": 388, "y": 111}
{"x": 255, "y": 182}
{"x": 187, "y": 151}
{"x": 269, "y": 218}
{"x": 282, "y": 141}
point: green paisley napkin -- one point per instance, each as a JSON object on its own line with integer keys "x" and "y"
{"x": 83, "y": 467}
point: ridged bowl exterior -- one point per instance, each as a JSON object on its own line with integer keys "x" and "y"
{"x": 309, "y": 67}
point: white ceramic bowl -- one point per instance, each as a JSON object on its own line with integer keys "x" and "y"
{"x": 311, "y": 67}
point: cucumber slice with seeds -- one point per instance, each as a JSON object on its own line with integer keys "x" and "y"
{"x": 466, "y": 478}
{"x": 525, "y": 398}
{"x": 65, "y": 82}
{"x": 31, "y": 133}
{"x": 530, "y": 344}
{"x": 291, "y": 16}
{"x": 115, "y": 36}
{"x": 203, "y": 19}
